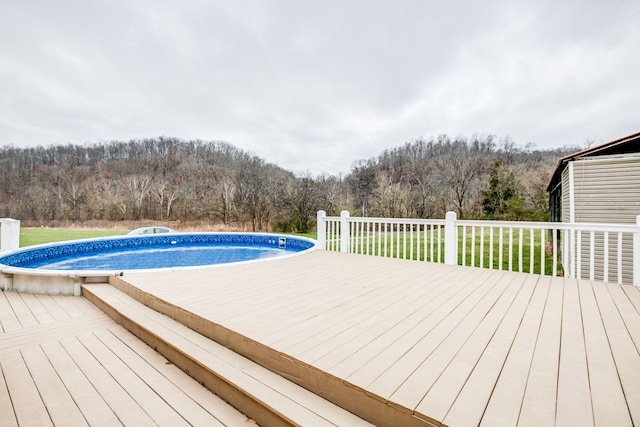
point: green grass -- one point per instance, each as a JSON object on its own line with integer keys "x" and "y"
{"x": 309, "y": 235}
{"x": 401, "y": 247}
{"x": 36, "y": 236}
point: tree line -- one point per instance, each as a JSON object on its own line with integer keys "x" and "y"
{"x": 168, "y": 179}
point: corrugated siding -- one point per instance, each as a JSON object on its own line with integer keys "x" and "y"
{"x": 566, "y": 196}
{"x": 607, "y": 191}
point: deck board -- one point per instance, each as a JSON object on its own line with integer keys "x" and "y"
{"x": 574, "y": 395}
{"x": 624, "y": 351}
{"x": 60, "y": 405}
{"x": 220, "y": 410}
{"x": 503, "y": 408}
{"x": 372, "y": 360}
{"x": 28, "y": 408}
{"x": 628, "y": 311}
{"x": 128, "y": 379}
{"x": 53, "y": 307}
{"x": 461, "y": 393}
{"x": 380, "y": 375}
{"x": 370, "y": 324}
{"x": 127, "y": 410}
{"x": 6, "y": 407}
{"x": 94, "y": 408}
{"x": 21, "y": 310}
{"x": 461, "y": 348}
{"x": 39, "y": 311}
{"x": 538, "y": 407}
{"x": 298, "y": 405}
{"x": 442, "y": 344}
{"x": 608, "y": 397}
{"x": 416, "y": 370}
{"x": 457, "y": 345}
{"x": 68, "y": 363}
{"x": 8, "y": 319}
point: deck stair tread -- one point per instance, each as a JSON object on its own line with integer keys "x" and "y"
{"x": 78, "y": 367}
{"x": 232, "y": 376}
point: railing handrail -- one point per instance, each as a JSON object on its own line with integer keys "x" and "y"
{"x": 536, "y": 225}
{"x": 570, "y": 244}
{"x": 539, "y": 225}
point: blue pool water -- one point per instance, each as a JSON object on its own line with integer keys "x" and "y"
{"x": 156, "y": 251}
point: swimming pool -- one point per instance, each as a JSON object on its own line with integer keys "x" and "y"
{"x": 59, "y": 267}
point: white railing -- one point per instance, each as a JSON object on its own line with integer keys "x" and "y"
{"x": 602, "y": 252}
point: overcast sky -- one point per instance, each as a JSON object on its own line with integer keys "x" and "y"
{"x": 315, "y": 85}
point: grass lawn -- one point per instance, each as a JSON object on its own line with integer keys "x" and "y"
{"x": 419, "y": 246}
{"x": 36, "y": 236}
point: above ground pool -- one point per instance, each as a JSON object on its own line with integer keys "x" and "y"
{"x": 82, "y": 259}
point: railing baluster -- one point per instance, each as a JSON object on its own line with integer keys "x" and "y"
{"x": 411, "y": 242}
{"x": 464, "y": 245}
{"x": 491, "y": 249}
{"x": 532, "y": 251}
{"x": 431, "y": 244}
{"x": 365, "y": 237}
{"x": 543, "y": 254}
{"x": 606, "y": 257}
{"x": 619, "y": 258}
{"x": 592, "y": 245}
{"x": 375, "y": 238}
{"x": 417, "y": 229}
{"x": 554, "y": 269}
{"x": 579, "y": 256}
{"x": 332, "y": 234}
{"x": 565, "y": 254}
{"x": 439, "y": 244}
{"x": 473, "y": 246}
{"x": 481, "y": 246}
{"x": 500, "y": 248}
{"x": 520, "y": 250}
{"x": 385, "y": 239}
{"x": 510, "y": 249}
{"x": 424, "y": 237}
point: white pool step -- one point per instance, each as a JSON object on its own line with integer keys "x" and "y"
{"x": 266, "y": 397}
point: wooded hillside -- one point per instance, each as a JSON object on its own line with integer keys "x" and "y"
{"x": 167, "y": 179}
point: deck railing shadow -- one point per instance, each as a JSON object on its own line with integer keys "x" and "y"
{"x": 601, "y": 252}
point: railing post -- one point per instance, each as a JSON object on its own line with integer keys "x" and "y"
{"x": 450, "y": 239}
{"x": 344, "y": 231}
{"x": 10, "y": 234}
{"x": 636, "y": 253}
{"x": 321, "y": 230}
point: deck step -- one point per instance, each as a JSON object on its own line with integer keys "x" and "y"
{"x": 264, "y": 396}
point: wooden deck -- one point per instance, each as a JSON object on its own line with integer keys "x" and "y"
{"x": 408, "y": 343}
{"x": 64, "y": 362}
{"x": 396, "y": 342}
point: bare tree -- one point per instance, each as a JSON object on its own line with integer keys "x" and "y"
{"x": 362, "y": 182}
